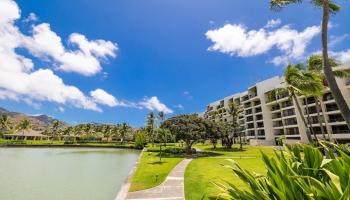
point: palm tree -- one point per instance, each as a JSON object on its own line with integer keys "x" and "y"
{"x": 124, "y": 130}
{"x": 315, "y": 65}
{"x": 55, "y": 126}
{"x": 150, "y": 126}
{"x": 24, "y": 125}
{"x": 161, "y": 117}
{"x": 4, "y": 123}
{"x": 300, "y": 83}
{"x": 328, "y": 7}
{"x": 234, "y": 110}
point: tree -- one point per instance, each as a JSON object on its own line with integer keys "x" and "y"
{"x": 54, "y": 129}
{"x": 315, "y": 65}
{"x": 328, "y": 7}
{"x": 140, "y": 139}
{"x": 298, "y": 84}
{"x": 124, "y": 130}
{"x": 162, "y": 136}
{"x": 189, "y": 128}
{"x": 150, "y": 126}
{"x": 4, "y": 123}
{"x": 161, "y": 117}
{"x": 24, "y": 125}
{"x": 234, "y": 111}
{"x": 213, "y": 131}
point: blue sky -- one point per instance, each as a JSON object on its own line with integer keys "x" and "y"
{"x": 172, "y": 55}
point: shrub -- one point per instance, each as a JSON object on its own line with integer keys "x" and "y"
{"x": 140, "y": 140}
{"x": 291, "y": 175}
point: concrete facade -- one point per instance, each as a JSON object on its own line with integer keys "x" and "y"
{"x": 270, "y": 113}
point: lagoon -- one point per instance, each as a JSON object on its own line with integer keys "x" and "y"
{"x": 63, "y": 173}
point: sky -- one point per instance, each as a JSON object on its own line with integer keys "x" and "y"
{"x": 113, "y": 61}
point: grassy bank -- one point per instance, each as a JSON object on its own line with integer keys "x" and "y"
{"x": 150, "y": 171}
{"x": 56, "y": 143}
{"x": 202, "y": 172}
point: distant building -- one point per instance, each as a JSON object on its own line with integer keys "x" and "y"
{"x": 26, "y": 136}
{"x": 270, "y": 113}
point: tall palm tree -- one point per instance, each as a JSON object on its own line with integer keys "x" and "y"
{"x": 54, "y": 128}
{"x": 328, "y": 7}
{"x": 161, "y": 117}
{"x": 234, "y": 110}
{"x": 150, "y": 126}
{"x": 315, "y": 65}
{"x": 24, "y": 125}
{"x": 124, "y": 130}
{"x": 300, "y": 84}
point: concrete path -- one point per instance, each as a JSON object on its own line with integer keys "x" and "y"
{"x": 171, "y": 189}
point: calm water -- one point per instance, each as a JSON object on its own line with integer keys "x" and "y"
{"x": 63, "y": 174}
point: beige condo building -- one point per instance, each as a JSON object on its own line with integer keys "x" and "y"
{"x": 271, "y": 114}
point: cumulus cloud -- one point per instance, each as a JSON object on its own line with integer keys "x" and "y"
{"x": 153, "y": 103}
{"x": 20, "y": 81}
{"x": 85, "y": 59}
{"x": 334, "y": 40}
{"x": 237, "y": 40}
{"x": 102, "y": 97}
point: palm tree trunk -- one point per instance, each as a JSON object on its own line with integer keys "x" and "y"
{"x": 319, "y": 119}
{"x": 308, "y": 135}
{"x": 309, "y": 121}
{"x": 326, "y": 123}
{"x": 333, "y": 86}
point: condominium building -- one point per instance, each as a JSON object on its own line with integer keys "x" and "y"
{"x": 270, "y": 113}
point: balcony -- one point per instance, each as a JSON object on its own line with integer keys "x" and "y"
{"x": 245, "y": 98}
{"x": 256, "y": 103}
{"x": 276, "y": 115}
{"x": 278, "y": 132}
{"x": 248, "y": 105}
{"x": 277, "y": 124}
{"x": 287, "y": 104}
{"x": 292, "y": 131}
{"x": 343, "y": 129}
{"x": 258, "y": 117}
{"x": 309, "y": 100}
{"x": 258, "y": 110}
{"x": 335, "y": 118}
{"x": 251, "y": 133}
{"x": 261, "y": 132}
{"x": 275, "y": 108}
{"x": 311, "y": 110}
{"x": 260, "y": 125}
{"x": 289, "y": 122}
{"x": 249, "y": 119}
{"x": 289, "y": 112}
{"x": 331, "y": 107}
{"x": 249, "y": 112}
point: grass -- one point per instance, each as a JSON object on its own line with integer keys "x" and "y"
{"x": 202, "y": 172}
{"x": 150, "y": 171}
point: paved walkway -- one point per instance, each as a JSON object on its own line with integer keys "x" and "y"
{"x": 171, "y": 189}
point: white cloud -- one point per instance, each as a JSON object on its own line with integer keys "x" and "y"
{"x": 179, "y": 106}
{"x": 342, "y": 56}
{"x": 273, "y": 23}
{"x": 334, "y": 40}
{"x": 188, "y": 95}
{"x": 237, "y": 40}
{"x": 153, "y": 103}
{"x": 19, "y": 80}
{"x": 102, "y": 97}
{"x": 85, "y": 60}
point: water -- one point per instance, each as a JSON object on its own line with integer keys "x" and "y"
{"x": 63, "y": 173}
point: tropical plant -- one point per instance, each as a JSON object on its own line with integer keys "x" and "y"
{"x": 4, "y": 124}
{"x": 163, "y": 136}
{"x": 189, "y": 128}
{"x": 124, "y": 130}
{"x": 213, "y": 131}
{"x": 24, "y": 125}
{"x": 234, "y": 111}
{"x": 150, "y": 126}
{"x": 161, "y": 117}
{"x": 300, "y": 83}
{"x": 140, "y": 139}
{"x": 294, "y": 175}
{"x": 54, "y": 129}
{"x": 328, "y": 7}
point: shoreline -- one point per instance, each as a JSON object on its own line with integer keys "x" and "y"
{"x": 123, "y": 191}
{"x": 63, "y": 146}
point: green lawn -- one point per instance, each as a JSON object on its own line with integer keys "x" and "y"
{"x": 202, "y": 172}
{"x": 150, "y": 167}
